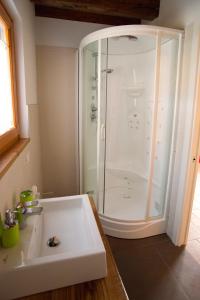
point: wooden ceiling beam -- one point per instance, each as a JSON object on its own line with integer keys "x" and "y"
{"x": 138, "y": 9}
{"x": 75, "y": 15}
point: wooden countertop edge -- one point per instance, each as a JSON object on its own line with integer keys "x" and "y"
{"x": 9, "y": 157}
{"x": 108, "y": 288}
{"x": 120, "y": 292}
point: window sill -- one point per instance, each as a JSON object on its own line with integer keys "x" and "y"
{"x": 8, "y": 158}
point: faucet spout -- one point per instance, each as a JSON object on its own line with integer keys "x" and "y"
{"x": 27, "y": 209}
{"x": 30, "y": 211}
{"x": 31, "y": 203}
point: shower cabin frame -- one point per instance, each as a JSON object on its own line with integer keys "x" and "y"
{"x": 149, "y": 225}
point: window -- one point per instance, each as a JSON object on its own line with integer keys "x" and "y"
{"x": 9, "y": 129}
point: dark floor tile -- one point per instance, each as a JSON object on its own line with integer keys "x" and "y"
{"x": 184, "y": 264}
{"x": 117, "y": 243}
{"x": 144, "y": 273}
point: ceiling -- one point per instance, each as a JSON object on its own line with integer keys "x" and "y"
{"x": 111, "y": 12}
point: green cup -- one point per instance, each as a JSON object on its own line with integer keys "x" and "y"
{"x": 10, "y": 236}
{"x": 1, "y": 230}
{"x": 20, "y": 217}
{"x": 26, "y": 196}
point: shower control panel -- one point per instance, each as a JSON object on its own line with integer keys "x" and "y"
{"x": 93, "y": 113}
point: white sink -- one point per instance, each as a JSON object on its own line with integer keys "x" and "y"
{"x": 32, "y": 266}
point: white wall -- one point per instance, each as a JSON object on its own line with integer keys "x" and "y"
{"x": 25, "y": 171}
{"x": 27, "y": 17}
{"x": 177, "y": 13}
{"x": 62, "y": 33}
{"x": 56, "y": 96}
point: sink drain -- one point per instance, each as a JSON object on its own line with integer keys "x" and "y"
{"x": 53, "y": 242}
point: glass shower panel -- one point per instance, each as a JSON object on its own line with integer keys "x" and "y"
{"x": 102, "y": 123}
{"x": 89, "y": 119}
{"x": 164, "y": 130}
{"x": 130, "y": 104}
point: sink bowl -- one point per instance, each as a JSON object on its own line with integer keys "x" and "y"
{"x": 78, "y": 256}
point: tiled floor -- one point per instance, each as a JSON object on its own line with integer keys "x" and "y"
{"x": 194, "y": 231}
{"x": 154, "y": 269}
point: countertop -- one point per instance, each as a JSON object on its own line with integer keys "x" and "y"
{"x": 109, "y": 288}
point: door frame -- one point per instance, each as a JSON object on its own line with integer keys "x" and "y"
{"x": 183, "y": 193}
{"x": 194, "y": 155}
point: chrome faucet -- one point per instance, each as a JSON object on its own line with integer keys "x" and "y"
{"x": 29, "y": 211}
{"x": 23, "y": 210}
{"x": 10, "y": 219}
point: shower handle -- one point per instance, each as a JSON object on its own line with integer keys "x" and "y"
{"x": 108, "y": 71}
{"x": 102, "y": 132}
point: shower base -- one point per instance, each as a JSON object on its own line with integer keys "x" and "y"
{"x": 131, "y": 229}
{"x": 125, "y": 206}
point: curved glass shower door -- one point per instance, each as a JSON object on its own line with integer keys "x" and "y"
{"x": 92, "y": 121}
{"x": 128, "y": 122}
{"x": 164, "y": 132}
{"x": 89, "y": 119}
{"x": 131, "y": 64}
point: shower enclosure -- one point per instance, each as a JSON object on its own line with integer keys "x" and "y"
{"x": 128, "y": 102}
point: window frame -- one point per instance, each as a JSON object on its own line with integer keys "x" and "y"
{"x": 10, "y": 137}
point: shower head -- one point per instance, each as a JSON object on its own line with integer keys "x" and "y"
{"x": 130, "y": 37}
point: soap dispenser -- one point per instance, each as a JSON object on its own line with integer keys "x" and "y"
{"x": 10, "y": 232}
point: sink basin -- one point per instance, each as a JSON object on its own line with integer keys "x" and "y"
{"x": 78, "y": 256}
